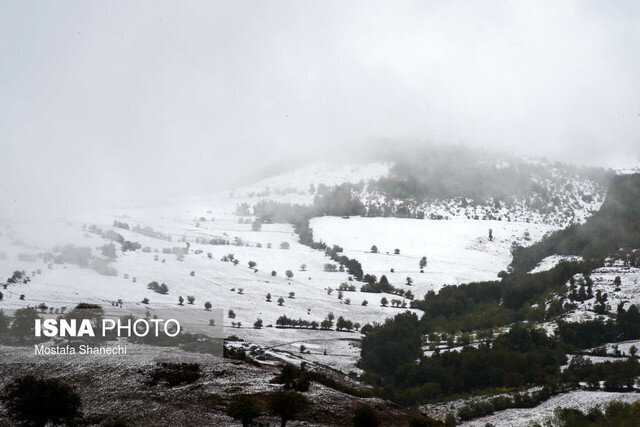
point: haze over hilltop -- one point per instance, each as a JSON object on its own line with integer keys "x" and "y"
{"x": 119, "y": 101}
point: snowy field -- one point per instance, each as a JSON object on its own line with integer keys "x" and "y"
{"x": 627, "y": 292}
{"x": 551, "y": 261}
{"x": 543, "y": 413}
{"x": 227, "y": 286}
{"x": 458, "y": 251}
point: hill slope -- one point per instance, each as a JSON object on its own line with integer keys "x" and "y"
{"x": 615, "y": 226}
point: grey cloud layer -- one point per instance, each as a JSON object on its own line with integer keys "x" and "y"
{"x": 104, "y": 101}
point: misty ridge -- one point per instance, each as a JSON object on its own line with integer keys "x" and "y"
{"x": 422, "y": 176}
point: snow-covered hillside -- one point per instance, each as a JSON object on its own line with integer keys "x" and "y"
{"x": 186, "y": 243}
{"x": 551, "y": 261}
{"x": 551, "y": 194}
{"x": 544, "y": 413}
{"x": 300, "y": 185}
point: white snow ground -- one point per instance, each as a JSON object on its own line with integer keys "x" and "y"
{"x": 458, "y": 251}
{"x": 544, "y": 412}
{"x": 551, "y": 261}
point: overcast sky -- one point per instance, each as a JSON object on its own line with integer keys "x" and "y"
{"x": 125, "y": 99}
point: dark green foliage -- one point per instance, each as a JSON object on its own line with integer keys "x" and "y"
{"x": 292, "y": 378}
{"x": 34, "y": 401}
{"x": 343, "y": 324}
{"x": 424, "y": 421}
{"x": 500, "y": 403}
{"x": 366, "y": 416}
{"x": 514, "y": 359}
{"x": 616, "y": 225}
{"x": 287, "y": 405}
{"x": 286, "y": 322}
{"x": 591, "y": 333}
{"x": 122, "y": 225}
{"x": 92, "y": 312}
{"x": 483, "y": 305}
{"x": 5, "y": 321}
{"x": 18, "y": 277}
{"x": 391, "y": 345}
{"x": 23, "y": 325}
{"x": 519, "y": 357}
{"x": 616, "y": 414}
{"x": 383, "y": 286}
{"x": 244, "y": 409}
{"x": 619, "y": 375}
{"x": 130, "y": 246}
{"x": 159, "y": 288}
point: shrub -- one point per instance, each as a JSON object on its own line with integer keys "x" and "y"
{"x": 330, "y": 267}
{"x": 175, "y": 374}
{"x": 287, "y": 404}
{"x": 424, "y": 421}
{"x": 130, "y": 246}
{"x": 244, "y": 409}
{"x": 423, "y": 262}
{"x": 161, "y": 289}
{"x": 34, "y": 401}
{"x": 292, "y": 377}
{"x": 23, "y": 325}
{"x": 109, "y": 250}
{"x": 366, "y": 416}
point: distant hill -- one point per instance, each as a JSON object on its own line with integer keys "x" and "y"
{"x": 444, "y": 182}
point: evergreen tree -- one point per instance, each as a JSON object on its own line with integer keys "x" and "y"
{"x": 244, "y": 409}
{"x": 423, "y": 262}
{"x": 287, "y": 405}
